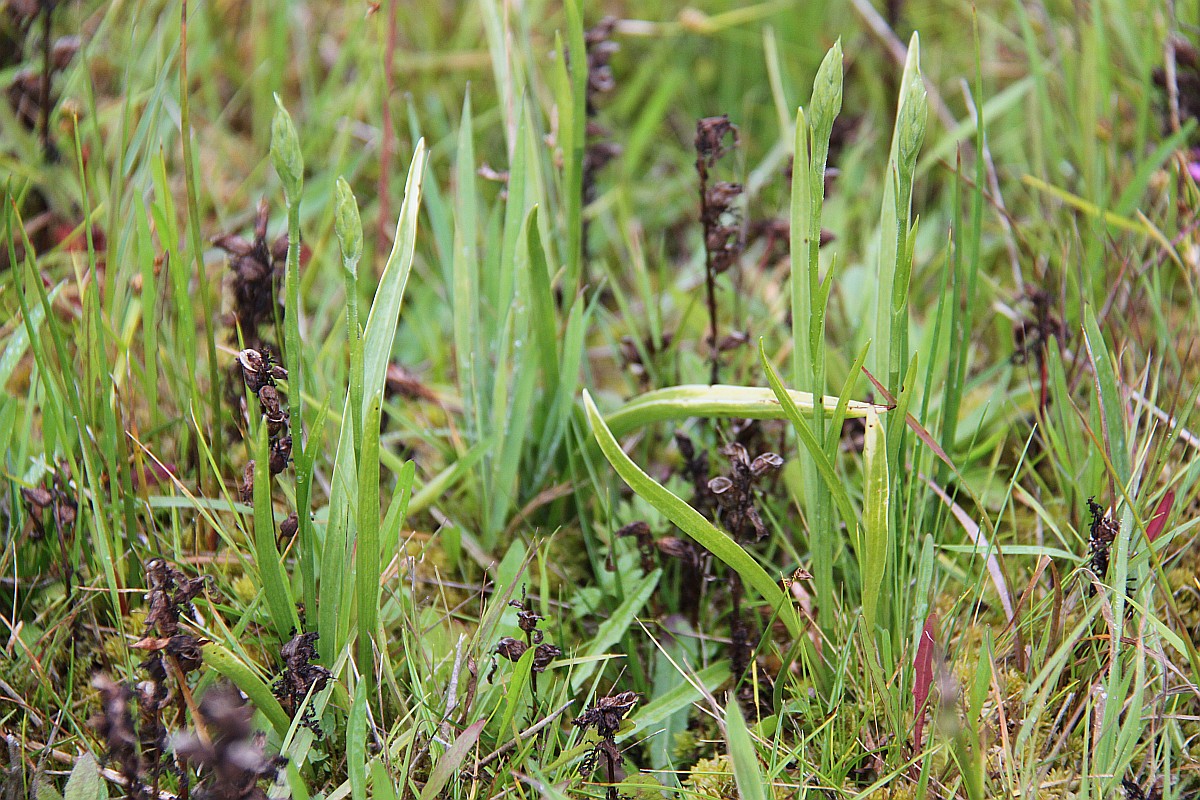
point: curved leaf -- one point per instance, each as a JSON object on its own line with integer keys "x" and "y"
{"x": 701, "y": 400}
{"x": 690, "y": 521}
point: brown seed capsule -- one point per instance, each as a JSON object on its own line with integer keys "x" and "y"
{"x": 606, "y": 713}
{"x": 674, "y": 547}
{"x": 254, "y": 370}
{"x": 281, "y": 454}
{"x": 544, "y": 654}
{"x": 767, "y": 462}
{"x": 511, "y": 648}
{"x": 246, "y": 488}
{"x": 288, "y": 528}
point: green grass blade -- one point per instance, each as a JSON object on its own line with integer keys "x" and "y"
{"x": 356, "y": 743}
{"x": 1112, "y": 406}
{"x": 572, "y": 98}
{"x": 747, "y": 774}
{"x": 541, "y": 300}
{"x": 465, "y": 269}
{"x": 615, "y": 627}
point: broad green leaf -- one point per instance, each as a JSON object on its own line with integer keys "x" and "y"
{"x": 876, "y": 498}
{"x": 687, "y": 519}
{"x": 518, "y": 683}
{"x": 382, "y": 787}
{"x": 356, "y": 743}
{"x": 85, "y": 782}
{"x": 678, "y": 699}
{"x": 740, "y": 402}
{"x": 45, "y": 791}
{"x": 367, "y": 554}
{"x": 451, "y": 760}
{"x": 541, "y": 300}
{"x": 244, "y": 678}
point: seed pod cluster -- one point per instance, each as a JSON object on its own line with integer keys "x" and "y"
{"x": 259, "y": 371}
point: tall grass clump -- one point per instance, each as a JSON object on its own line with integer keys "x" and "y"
{"x": 560, "y": 483}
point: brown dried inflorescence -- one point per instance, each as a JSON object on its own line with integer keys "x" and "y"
{"x": 230, "y": 757}
{"x": 1133, "y": 791}
{"x": 30, "y": 94}
{"x": 775, "y": 234}
{"x": 136, "y": 751}
{"x": 1102, "y": 532}
{"x": 718, "y": 216}
{"x": 695, "y": 469}
{"x": 599, "y": 150}
{"x": 735, "y": 491}
{"x": 55, "y": 498}
{"x": 711, "y": 135}
{"x": 400, "y": 381}
{"x": 735, "y": 497}
{"x": 289, "y": 526}
{"x": 605, "y": 714}
{"x": 640, "y": 531}
{"x": 605, "y": 717}
{"x": 1032, "y": 332}
{"x": 259, "y": 369}
{"x": 140, "y": 751}
{"x": 722, "y": 227}
{"x": 1187, "y": 79}
{"x": 171, "y": 595}
{"x": 687, "y": 552}
{"x": 260, "y": 372}
{"x": 258, "y": 269}
{"x": 114, "y": 724}
{"x": 300, "y": 677}
{"x": 512, "y": 649}
{"x": 634, "y": 353}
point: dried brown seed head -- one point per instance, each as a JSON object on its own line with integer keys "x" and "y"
{"x": 281, "y": 454}
{"x": 638, "y": 529}
{"x": 765, "y": 463}
{"x": 38, "y": 497}
{"x": 511, "y": 648}
{"x": 711, "y": 133}
{"x": 288, "y": 528}
{"x": 720, "y": 485}
{"x": 544, "y": 654}
{"x": 606, "y": 713}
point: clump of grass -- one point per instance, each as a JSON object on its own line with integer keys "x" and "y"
{"x": 948, "y": 627}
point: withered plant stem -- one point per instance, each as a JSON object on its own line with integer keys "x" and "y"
{"x": 710, "y": 279}
{"x": 44, "y": 99}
